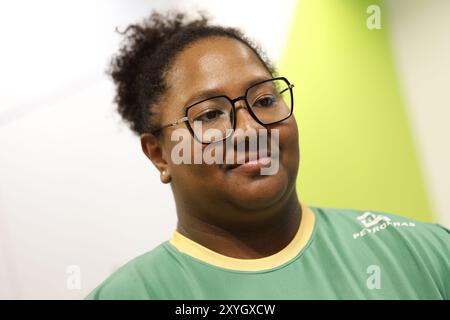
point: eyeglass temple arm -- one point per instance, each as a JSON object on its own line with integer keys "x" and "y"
{"x": 291, "y": 85}
{"x": 184, "y": 119}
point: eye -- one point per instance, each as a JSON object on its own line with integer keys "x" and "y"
{"x": 266, "y": 101}
{"x": 209, "y": 115}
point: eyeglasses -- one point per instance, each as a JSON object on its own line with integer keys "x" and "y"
{"x": 268, "y": 102}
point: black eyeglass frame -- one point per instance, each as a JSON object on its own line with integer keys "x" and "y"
{"x": 233, "y": 110}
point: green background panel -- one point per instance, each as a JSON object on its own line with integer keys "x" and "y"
{"x": 357, "y": 149}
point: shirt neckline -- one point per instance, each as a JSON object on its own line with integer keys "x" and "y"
{"x": 297, "y": 244}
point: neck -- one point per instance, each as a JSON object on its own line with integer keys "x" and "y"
{"x": 261, "y": 239}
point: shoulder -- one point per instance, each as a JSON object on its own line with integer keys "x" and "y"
{"x": 363, "y": 223}
{"x": 130, "y": 282}
{"x": 412, "y": 255}
{"x": 387, "y": 231}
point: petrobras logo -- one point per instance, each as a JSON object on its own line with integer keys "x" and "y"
{"x": 373, "y": 223}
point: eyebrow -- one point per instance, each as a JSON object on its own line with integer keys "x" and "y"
{"x": 206, "y": 94}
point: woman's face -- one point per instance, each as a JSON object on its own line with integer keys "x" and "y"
{"x": 227, "y": 67}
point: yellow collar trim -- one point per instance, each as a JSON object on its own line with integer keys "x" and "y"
{"x": 196, "y": 250}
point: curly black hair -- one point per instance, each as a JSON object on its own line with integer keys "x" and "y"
{"x": 145, "y": 56}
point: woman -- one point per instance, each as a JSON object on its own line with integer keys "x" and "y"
{"x": 242, "y": 234}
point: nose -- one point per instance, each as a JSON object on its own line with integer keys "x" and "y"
{"x": 244, "y": 122}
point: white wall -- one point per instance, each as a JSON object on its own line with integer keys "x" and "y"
{"x": 420, "y": 40}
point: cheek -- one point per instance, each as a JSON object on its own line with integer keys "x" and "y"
{"x": 290, "y": 134}
{"x": 179, "y": 147}
{"x": 185, "y": 156}
{"x": 287, "y": 133}
{"x": 289, "y": 144}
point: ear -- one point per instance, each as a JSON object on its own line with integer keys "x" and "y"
{"x": 152, "y": 148}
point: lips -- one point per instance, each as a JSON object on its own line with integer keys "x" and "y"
{"x": 250, "y": 162}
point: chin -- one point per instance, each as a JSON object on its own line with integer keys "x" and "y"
{"x": 260, "y": 192}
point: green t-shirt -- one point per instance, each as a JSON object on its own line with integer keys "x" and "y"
{"x": 336, "y": 254}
